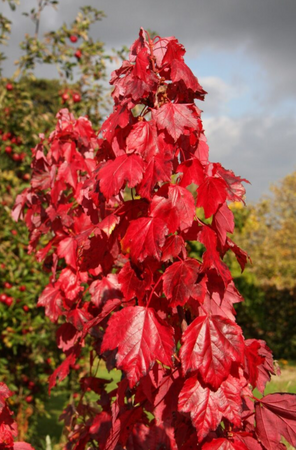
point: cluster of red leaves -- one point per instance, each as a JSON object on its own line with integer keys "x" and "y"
{"x": 113, "y": 216}
{"x": 8, "y": 427}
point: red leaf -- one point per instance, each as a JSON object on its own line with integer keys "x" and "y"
{"x": 207, "y": 407}
{"x": 224, "y": 444}
{"x": 51, "y": 299}
{"x": 241, "y": 256}
{"x": 192, "y": 171}
{"x": 143, "y": 139}
{"x": 22, "y": 446}
{"x": 275, "y": 417}
{"x": 115, "y": 173}
{"x": 63, "y": 370}
{"x": 223, "y": 223}
{"x": 67, "y": 336}
{"x": 159, "y": 169}
{"x": 144, "y": 237}
{"x": 179, "y": 281}
{"x": 173, "y": 246}
{"x": 4, "y": 394}
{"x": 211, "y": 194}
{"x": 174, "y": 118}
{"x": 105, "y": 289}
{"x": 133, "y": 286}
{"x": 181, "y": 72}
{"x": 209, "y": 346}
{"x": 211, "y": 258}
{"x": 142, "y": 338}
{"x": 67, "y": 249}
{"x": 177, "y": 210}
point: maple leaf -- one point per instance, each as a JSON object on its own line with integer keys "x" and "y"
{"x": 133, "y": 286}
{"x": 115, "y": 173}
{"x": 275, "y": 417}
{"x": 211, "y": 257}
{"x": 144, "y": 237}
{"x": 158, "y": 169}
{"x": 5, "y": 393}
{"x": 223, "y": 223}
{"x": 207, "y": 407}
{"x": 193, "y": 172}
{"x": 179, "y": 281}
{"x": 224, "y": 444}
{"x": 210, "y": 345}
{"x": 142, "y": 338}
{"x": 67, "y": 249}
{"x": 176, "y": 207}
{"x": 174, "y": 117}
{"x": 63, "y": 370}
{"x": 181, "y": 72}
{"x": 143, "y": 139}
{"x": 105, "y": 289}
{"x": 52, "y": 299}
{"x": 174, "y": 245}
{"x": 211, "y": 194}
{"x": 22, "y": 446}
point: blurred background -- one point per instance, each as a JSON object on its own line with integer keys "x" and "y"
{"x": 61, "y": 54}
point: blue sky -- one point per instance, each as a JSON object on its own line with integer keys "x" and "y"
{"x": 243, "y": 53}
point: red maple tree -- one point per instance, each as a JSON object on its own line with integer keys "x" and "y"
{"x": 114, "y": 215}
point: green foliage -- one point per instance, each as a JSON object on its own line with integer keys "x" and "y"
{"x": 267, "y": 231}
{"x": 28, "y": 347}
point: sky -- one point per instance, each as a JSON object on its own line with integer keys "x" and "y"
{"x": 243, "y": 54}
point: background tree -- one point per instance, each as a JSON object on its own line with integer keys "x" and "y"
{"x": 267, "y": 231}
{"x": 29, "y": 105}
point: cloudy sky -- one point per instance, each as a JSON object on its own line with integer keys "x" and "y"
{"x": 242, "y": 52}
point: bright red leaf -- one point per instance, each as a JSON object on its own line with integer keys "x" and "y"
{"x": 179, "y": 281}
{"x": 210, "y": 345}
{"x": 141, "y": 338}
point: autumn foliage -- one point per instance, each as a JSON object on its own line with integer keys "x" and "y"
{"x": 114, "y": 216}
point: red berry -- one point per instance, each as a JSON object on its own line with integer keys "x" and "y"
{"x": 26, "y": 308}
{"x": 22, "y": 288}
{"x": 65, "y": 97}
{"x": 3, "y": 298}
{"x": 2, "y": 265}
{"x": 31, "y": 385}
{"x": 8, "y": 149}
{"x": 14, "y": 232}
{"x": 76, "y": 98}
{"x": 9, "y": 86}
{"x": 7, "y": 285}
{"x": 16, "y": 157}
{"x": 26, "y": 177}
{"x": 29, "y": 398}
{"x": 78, "y": 54}
{"x": 9, "y": 301}
{"x": 73, "y": 38}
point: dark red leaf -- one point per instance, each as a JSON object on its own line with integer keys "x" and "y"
{"x": 275, "y": 417}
